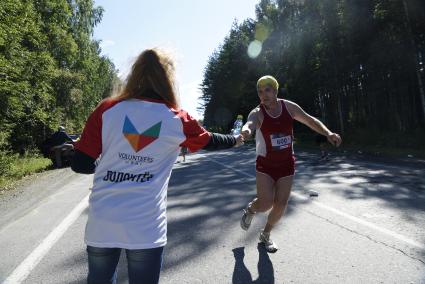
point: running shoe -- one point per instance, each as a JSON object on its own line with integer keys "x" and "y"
{"x": 268, "y": 243}
{"x": 246, "y": 218}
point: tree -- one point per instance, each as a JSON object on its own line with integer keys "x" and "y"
{"x": 51, "y": 70}
{"x": 358, "y": 65}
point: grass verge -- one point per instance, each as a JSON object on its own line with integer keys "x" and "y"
{"x": 14, "y": 167}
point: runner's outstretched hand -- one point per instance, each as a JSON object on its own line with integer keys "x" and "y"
{"x": 334, "y": 139}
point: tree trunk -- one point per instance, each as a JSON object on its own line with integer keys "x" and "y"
{"x": 340, "y": 116}
{"x": 417, "y": 67}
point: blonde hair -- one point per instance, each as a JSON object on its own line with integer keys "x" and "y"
{"x": 153, "y": 72}
{"x": 267, "y": 81}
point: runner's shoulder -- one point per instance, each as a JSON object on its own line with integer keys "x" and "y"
{"x": 291, "y": 106}
{"x": 288, "y": 102}
{"x": 255, "y": 114}
{"x": 256, "y": 109}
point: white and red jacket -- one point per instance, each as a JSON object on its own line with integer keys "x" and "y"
{"x": 137, "y": 142}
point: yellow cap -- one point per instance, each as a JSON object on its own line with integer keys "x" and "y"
{"x": 267, "y": 81}
{"x": 240, "y": 116}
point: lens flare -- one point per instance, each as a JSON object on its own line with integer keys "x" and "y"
{"x": 262, "y": 32}
{"x": 254, "y": 48}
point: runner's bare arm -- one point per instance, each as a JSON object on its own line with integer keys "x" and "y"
{"x": 300, "y": 115}
{"x": 251, "y": 123}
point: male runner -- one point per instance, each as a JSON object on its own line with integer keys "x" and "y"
{"x": 273, "y": 122}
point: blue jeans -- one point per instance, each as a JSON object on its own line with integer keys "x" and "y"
{"x": 144, "y": 265}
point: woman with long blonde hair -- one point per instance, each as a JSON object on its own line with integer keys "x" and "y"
{"x": 136, "y": 136}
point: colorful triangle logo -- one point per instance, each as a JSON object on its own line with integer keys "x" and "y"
{"x": 140, "y": 141}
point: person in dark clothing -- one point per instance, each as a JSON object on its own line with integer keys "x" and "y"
{"x": 321, "y": 141}
{"x": 62, "y": 146}
{"x": 183, "y": 153}
{"x": 61, "y": 137}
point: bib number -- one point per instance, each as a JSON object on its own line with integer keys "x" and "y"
{"x": 280, "y": 141}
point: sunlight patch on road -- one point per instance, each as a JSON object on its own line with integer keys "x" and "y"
{"x": 357, "y": 220}
{"x": 24, "y": 269}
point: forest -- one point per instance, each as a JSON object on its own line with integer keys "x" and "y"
{"x": 357, "y": 65}
{"x": 51, "y": 70}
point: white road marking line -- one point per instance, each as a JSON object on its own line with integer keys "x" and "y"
{"x": 24, "y": 269}
{"x": 371, "y": 225}
{"x": 340, "y": 213}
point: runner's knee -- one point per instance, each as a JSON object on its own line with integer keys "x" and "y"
{"x": 278, "y": 210}
{"x": 264, "y": 205}
{"x": 280, "y": 202}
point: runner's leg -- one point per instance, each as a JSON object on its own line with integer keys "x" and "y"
{"x": 265, "y": 193}
{"x": 263, "y": 201}
{"x": 281, "y": 197}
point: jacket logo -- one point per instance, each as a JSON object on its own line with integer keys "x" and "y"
{"x": 137, "y": 140}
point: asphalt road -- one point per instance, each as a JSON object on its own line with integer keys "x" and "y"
{"x": 366, "y": 226}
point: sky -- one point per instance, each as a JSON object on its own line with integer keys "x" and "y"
{"x": 190, "y": 29}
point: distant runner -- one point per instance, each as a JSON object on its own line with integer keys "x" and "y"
{"x": 321, "y": 142}
{"x": 183, "y": 152}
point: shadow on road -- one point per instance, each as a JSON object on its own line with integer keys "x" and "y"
{"x": 390, "y": 184}
{"x": 205, "y": 202}
{"x": 241, "y": 274}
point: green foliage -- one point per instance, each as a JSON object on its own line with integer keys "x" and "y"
{"x": 13, "y": 167}
{"x": 357, "y": 65}
{"x": 51, "y": 70}
{"x": 6, "y": 161}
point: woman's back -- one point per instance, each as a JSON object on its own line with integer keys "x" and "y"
{"x": 138, "y": 141}
{"x": 136, "y": 136}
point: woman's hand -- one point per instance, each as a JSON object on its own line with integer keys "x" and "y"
{"x": 246, "y": 134}
{"x": 239, "y": 140}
